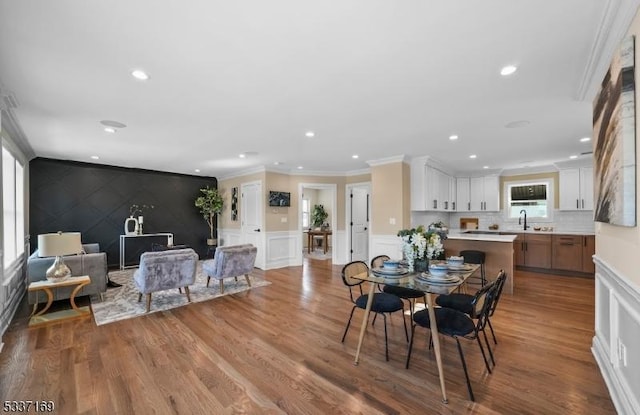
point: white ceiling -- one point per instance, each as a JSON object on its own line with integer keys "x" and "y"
{"x": 369, "y": 77}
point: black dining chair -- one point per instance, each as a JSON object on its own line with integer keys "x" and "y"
{"x": 476, "y": 257}
{"x": 382, "y": 304}
{"x": 408, "y": 294}
{"x": 464, "y": 303}
{"x": 456, "y": 324}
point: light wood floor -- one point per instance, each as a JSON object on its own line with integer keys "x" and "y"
{"x": 277, "y": 349}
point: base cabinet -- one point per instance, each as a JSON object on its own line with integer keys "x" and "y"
{"x": 572, "y": 253}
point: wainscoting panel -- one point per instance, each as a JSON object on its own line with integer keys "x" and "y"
{"x": 284, "y": 249}
{"x": 94, "y": 199}
{"x": 385, "y": 245}
{"x": 229, "y": 237}
{"x": 11, "y": 292}
{"x": 340, "y": 250}
{"x": 616, "y": 341}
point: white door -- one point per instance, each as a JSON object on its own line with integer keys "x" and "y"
{"x": 251, "y": 214}
{"x": 359, "y": 224}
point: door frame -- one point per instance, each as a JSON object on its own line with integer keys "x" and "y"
{"x": 347, "y": 216}
{"x": 333, "y": 188}
{"x": 261, "y": 255}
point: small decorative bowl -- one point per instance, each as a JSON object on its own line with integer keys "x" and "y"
{"x": 390, "y": 264}
{"x": 455, "y": 260}
{"x": 437, "y": 270}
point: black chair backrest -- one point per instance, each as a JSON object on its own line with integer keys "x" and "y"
{"x": 473, "y": 257}
{"x": 500, "y": 280}
{"x": 481, "y": 304}
{"x": 349, "y": 271}
{"x": 377, "y": 261}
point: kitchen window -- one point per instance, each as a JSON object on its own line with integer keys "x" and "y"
{"x": 534, "y": 197}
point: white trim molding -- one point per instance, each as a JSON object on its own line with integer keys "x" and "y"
{"x": 385, "y": 245}
{"x": 616, "y": 342}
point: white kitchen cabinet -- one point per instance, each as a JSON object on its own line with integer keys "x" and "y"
{"x": 431, "y": 188}
{"x": 484, "y": 194}
{"x": 576, "y": 189}
{"x": 463, "y": 202}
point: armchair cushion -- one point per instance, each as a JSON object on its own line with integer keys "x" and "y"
{"x": 164, "y": 270}
{"x": 93, "y": 263}
{"x": 231, "y": 261}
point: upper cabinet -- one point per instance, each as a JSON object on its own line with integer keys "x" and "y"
{"x": 431, "y": 188}
{"x": 576, "y": 189}
{"x": 463, "y": 201}
{"x": 484, "y": 194}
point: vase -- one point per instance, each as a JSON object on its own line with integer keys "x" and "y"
{"x": 131, "y": 226}
{"x": 421, "y": 265}
{"x": 140, "y": 222}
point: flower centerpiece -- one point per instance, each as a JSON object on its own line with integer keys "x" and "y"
{"x": 420, "y": 245}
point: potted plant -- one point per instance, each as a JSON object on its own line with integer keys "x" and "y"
{"x": 210, "y": 204}
{"x": 318, "y": 216}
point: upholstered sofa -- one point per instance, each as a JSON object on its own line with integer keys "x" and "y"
{"x": 165, "y": 270}
{"x": 230, "y": 261}
{"x": 92, "y": 263}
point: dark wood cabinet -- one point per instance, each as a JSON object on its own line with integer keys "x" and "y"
{"x": 588, "y": 251}
{"x": 567, "y": 252}
{"x": 533, "y": 250}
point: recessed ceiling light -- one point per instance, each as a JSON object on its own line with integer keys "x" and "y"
{"x": 140, "y": 74}
{"x": 111, "y": 123}
{"x": 485, "y": 167}
{"x": 472, "y": 156}
{"x": 573, "y": 156}
{"x": 277, "y": 163}
{"x": 242, "y": 155}
{"x": 355, "y": 156}
{"x": 95, "y": 157}
{"x": 110, "y": 130}
{"x": 453, "y": 137}
{"x": 517, "y": 124}
{"x": 585, "y": 139}
{"x": 310, "y": 134}
{"x": 300, "y": 167}
{"x": 508, "y": 70}
{"x": 197, "y": 170}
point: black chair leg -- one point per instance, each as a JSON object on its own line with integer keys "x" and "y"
{"x": 374, "y": 319}
{"x": 486, "y": 340}
{"x": 484, "y": 356}
{"x": 430, "y": 340}
{"x": 386, "y": 344}
{"x": 404, "y": 321}
{"x": 492, "y": 333}
{"x": 466, "y": 374}
{"x": 413, "y": 329}
{"x": 348, "y": 324}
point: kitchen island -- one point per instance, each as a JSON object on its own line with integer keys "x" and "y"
{"x": 499, "y": 250}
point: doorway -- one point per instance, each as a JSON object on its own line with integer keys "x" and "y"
{"x": 251, "y": 218}
{"x": 311, "y": 195}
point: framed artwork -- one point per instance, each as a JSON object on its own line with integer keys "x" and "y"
{"x": 234, "y": 204}
{"x": 614, "y": 125}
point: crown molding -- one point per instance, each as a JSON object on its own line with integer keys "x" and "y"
{"x": 245, "y": 172}
{"x": 388, "y": 160}
{"x": 11, "y": 125}
{"x": 614, "y": 25}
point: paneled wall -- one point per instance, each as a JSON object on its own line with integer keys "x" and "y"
{"x": 94, "y": 199}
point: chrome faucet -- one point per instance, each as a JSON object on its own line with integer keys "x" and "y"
{"x": 525, "y": 219}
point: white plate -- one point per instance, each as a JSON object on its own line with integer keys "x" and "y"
{"x": 386, "y": 272}
{"x": 459, "y": 268}
{"x": 447, "y": 279}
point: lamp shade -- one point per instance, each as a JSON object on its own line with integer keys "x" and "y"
{"x": 58, "y": 244}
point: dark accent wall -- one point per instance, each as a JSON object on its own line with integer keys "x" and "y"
{"x": 94, "y": 199}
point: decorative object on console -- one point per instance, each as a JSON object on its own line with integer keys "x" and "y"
{"x": 210, "y": 204}
{"x": 57, "y": 245}
{"x": 614, "y": 148}
{"x": 420, "y": 245}
{"x": 135, "y": 210}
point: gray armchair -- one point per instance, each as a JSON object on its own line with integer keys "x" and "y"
{"x": 165, "y": 270}
{"x": 231, "y": 261}
{"x": 92, "y": 263}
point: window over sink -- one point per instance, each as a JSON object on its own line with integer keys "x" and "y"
{"x": 533, "y": 196}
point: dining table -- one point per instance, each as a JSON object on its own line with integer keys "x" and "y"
{"x": 417, "y": 281}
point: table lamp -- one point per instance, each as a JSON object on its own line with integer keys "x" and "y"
{"x": 57, "y": 245}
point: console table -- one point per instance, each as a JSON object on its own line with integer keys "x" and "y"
{"x": 123, "y": 245}
{"x": 325, "y": 235}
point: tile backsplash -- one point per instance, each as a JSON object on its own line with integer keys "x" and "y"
{"x": 569, "y": 221}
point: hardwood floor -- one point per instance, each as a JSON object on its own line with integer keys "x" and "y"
{"x": 277, "y": 349}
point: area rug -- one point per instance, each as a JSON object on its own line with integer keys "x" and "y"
{"x": 317, "y": 254}
{"x": 122, "y": 302}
